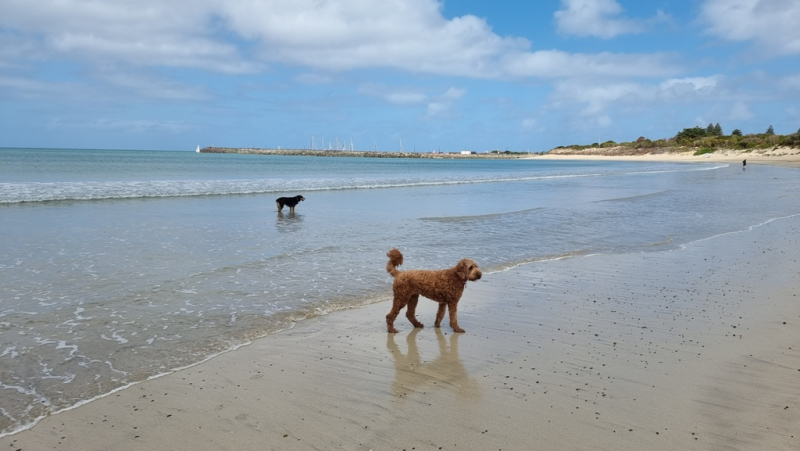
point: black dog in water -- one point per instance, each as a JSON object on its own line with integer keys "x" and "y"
{"x": 290, "y": 202}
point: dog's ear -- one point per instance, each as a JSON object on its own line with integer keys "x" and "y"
{"x": 462, "y": 269}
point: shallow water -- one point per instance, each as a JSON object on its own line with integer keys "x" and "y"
{"x": 116, "y": 266}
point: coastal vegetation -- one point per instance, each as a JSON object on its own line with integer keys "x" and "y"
{"x": 705, "y": 139}
{"x": 704, "y": 151}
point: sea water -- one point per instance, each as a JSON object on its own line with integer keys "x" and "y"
{"x": 118, "y": 266}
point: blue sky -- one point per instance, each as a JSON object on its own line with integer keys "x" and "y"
{"x": 439, "y": 75}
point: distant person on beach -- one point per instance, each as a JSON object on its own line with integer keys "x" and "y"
{"x": 744, "y": 164}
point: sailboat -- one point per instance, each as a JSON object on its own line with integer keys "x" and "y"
{"x": 198, "y": 149}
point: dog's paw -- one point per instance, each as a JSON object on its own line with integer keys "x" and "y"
{"x": 459, "y": 330}
{"x": 392, "y": 331}
{"x": 419, "y": 325}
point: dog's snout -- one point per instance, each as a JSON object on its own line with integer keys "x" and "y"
{"x": 478, "y": 275}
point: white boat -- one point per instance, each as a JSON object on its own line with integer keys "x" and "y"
{"x": 198, "y": 149}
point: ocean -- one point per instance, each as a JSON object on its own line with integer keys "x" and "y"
{"x": 119, "y": 266}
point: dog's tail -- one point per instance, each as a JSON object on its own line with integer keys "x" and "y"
{"x": 395, "y": 260}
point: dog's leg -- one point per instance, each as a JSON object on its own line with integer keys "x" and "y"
{"x": 411, "y": 313}
{"x": 440, "y": 314}
{"x": 390, "y": 321}
{"x": 280, "y": 206}
{"x": 397, "y": 305}
{"x": 453, "y": 309}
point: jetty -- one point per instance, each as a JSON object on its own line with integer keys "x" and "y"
{"x": 366, "y": 154}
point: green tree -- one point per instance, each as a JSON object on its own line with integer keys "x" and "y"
{"x": 691, "y": 133}
{"x": 710, "y": 130}
{"x": 770, "y": 130}
{"x": 736, "y": 132}
{"x": 717, "y": 130}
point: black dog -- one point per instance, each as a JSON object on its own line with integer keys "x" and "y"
{"x": 290, "y": 202}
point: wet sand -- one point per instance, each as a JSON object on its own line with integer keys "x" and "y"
{"x": 692, "y": 349}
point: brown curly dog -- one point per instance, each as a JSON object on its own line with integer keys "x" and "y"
{"x": 444, "y": 286}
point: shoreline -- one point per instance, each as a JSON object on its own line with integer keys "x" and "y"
{"x": 785, "y": 157}
{"x": 777, "y": 157}
{"x": 695, "y": 348}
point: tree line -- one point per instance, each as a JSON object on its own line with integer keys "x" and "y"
{"x": 710, "y": 137}
{"x": 713, "y": 137}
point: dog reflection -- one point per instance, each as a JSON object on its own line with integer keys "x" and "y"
{"x": 290, "y": 222}
{"x": 290, "y": 215}
{"x": 414, "y": 375}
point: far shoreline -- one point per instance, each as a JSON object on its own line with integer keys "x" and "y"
{"x": 779, "y": 156}
{"x": 788, "y": 160}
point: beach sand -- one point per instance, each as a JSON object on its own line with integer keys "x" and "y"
{"x": 696, "y": 348}
{"x": 778, "y": 157}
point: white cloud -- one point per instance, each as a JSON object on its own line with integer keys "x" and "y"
{"x": 116, "y": 84}
{"x": 134, "y": 126}
{"x": 437, "y": 108}
{"x": 557, "y": 64}
{"x": 394, "y": 95}
{"x": 405, "y": 98}
{"x": 692, "y": 89}
{"x": 13, "y": 48}
{"x": 692, "y": 83}
{"x": 241, "y": 36}
{"x": 342, "y": 35}
{"x": 720, "y": 98}
{"x": 20, "y": 84}
{"x": 150, "y": 86}
{"x": 529, "y": 123}
{"x": 599, "y": 18}
{"x": 597, "y": 98}
{"x": 603, "y": 121}
{"x": 791, "y": 83}
{"x": 453, "y": 94}
{"x": 28, "y": 88}
{"x": 141, "y": 32}
{"x": 740, "y": 112}
{"x": 313, "y": 79}
{"x": 771, "y": 24}
{"x": 442, "y": 105}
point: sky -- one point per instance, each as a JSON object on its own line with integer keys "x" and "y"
{"x": 427, "y": 75}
